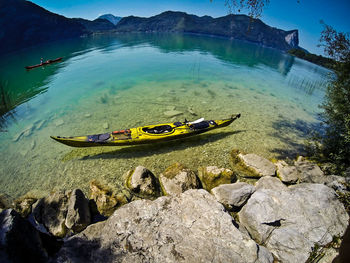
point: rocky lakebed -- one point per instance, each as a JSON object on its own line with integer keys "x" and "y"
{"x": 255, "y": 211}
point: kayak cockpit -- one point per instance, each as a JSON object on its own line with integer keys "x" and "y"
{"x": 158, "y": 129}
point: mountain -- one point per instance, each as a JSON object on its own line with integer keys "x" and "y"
{"x": 25, "y": 24}
{"x": 98, "y": 25}
{"x": 240, "y": 27}
{"x": 111, "y": 18}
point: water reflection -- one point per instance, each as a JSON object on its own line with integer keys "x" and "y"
{"x": 6, "y": 108}
{"x": 24, "y": 85}
{"x": 230, "y": 51}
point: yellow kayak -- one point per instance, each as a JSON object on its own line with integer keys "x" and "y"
{"x": 146, "y": 134}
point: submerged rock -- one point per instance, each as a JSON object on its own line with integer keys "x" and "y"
{"x": 142, "y": 181}
{"x": 105, "y": 201}
{"x": 32, "y": 145}
{"x": 28, "y": 131}
{"x": 170, "y": 108}
{"x": 172, "y": 113}
{"x": 19, "y": 240}
{"x": 105, "y": 125}
{"x": 17, "y": 136}
{"x": 78, "y": 213}
{"x": 190, "y": 227}
{"x": 177, "y": 179}
{"x": 191, "y": 111}
{"x": 233, "y": 195}
{"x": 59, "y": 122}
{"x": 289, "y": 221}
{"x": 212, "y": 176}
{"x": 51, "y": 211}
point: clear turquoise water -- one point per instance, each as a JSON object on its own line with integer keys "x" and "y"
{"x": 129, "y": 80}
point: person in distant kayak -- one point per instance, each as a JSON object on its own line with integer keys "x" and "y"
{"x": 41, "y": 61}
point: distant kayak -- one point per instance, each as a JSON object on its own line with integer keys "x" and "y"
{"x": 146, "y": 134}
{"x": 44, "y": 63}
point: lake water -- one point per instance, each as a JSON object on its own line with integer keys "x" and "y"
{"x": 129, "y": 80}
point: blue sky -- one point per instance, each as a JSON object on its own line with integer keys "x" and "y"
{"x": 284, "y": 14}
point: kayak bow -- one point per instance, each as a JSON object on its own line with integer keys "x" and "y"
{"x": 146, "y": 134}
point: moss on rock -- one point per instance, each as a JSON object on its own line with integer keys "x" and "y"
{"x": 142, "y": 182}
{"x": 212, "y": 176}
{"x": 177, "y": 179}
{"x": 251, "y": 165}
{"x": 104, "y": 200}
{"x": 23, "y": 205}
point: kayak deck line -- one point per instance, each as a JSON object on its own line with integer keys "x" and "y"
{"x": 44, "y": 63}
{"x": 146, "y": 134}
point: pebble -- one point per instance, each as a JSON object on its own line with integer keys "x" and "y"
{"x": 106, "y": 125}
{"x": 87, "y": 115}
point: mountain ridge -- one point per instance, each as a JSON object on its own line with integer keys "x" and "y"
{"x": 239, "y": 27}
{"x": 26, "y": 24}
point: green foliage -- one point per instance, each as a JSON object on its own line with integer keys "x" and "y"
{"x": 334, "y": 144}
{"x": 317, "y": 59}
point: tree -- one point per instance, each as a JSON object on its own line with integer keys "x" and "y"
{"x": 335, "y": 143}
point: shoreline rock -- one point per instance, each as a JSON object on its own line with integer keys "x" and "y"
{"x": 233, "y": 195}
{"x": 142, "y": 182}
{"x": 212, "y": 176}
{"x": 177, "y": 179}
{"x": 169, "y": 229}
{"x": 103, "y": 201}
{"x": 289, "y": 221}
{"x": 265, "y": 221}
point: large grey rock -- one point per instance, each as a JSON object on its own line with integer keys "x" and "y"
{"x": 142, "y": 181}
{"x": 288, "y": 174}
{"x": 257, "y": 164}
{"x": 233, "y": 195}
{"x": 78, "y": 214}
{"x": 190, "y": 227}
{"x": 51, "y": 212}
{"x": 309, "y": 172}
{"x": 269, "y": 182}
{"x": 290, "y": 221}
{"x": 19, "y": 240}
{"x": 177, "y": 179}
